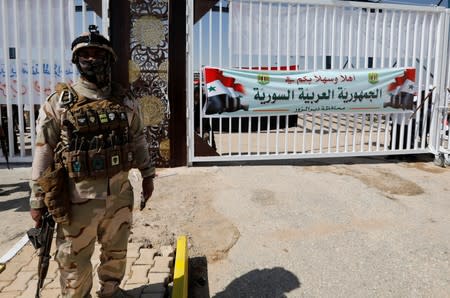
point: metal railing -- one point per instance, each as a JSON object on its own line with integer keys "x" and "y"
{"x": 34, "y": 56}
{"x": 314, "y": 35}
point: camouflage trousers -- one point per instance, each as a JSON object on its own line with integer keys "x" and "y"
{"x": 106, "y": 221}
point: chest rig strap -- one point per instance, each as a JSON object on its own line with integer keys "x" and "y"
{"x": 67, "y": 96}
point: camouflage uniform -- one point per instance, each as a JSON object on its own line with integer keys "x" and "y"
{"x": 101, "y": 207}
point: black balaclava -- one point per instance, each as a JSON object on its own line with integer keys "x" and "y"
{"x": 97, "y": 71}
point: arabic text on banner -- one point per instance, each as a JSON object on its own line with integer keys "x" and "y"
{"x": 253, "y": 92}
{"x": 40, "y": 77}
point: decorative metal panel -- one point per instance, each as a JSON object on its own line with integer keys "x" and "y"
{"x": 148, "y": 72}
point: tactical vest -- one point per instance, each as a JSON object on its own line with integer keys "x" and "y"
{"x": 97, "y": 141}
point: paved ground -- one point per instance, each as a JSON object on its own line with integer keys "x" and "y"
{"x": 361, "y": 227}
{"x": 148, "y": 273}
{"x": 147, "y": 276}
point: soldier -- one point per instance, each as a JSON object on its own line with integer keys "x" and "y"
{"x": 94, "y": 131}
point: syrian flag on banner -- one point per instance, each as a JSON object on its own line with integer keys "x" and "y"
{"x": 409, "y": 84}
{"x": 222, "y": 92}
{"x": 403, "y": 90}
{"x": 405, "y": 83}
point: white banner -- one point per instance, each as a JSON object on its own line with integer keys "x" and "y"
{"x": 358, "y": 90}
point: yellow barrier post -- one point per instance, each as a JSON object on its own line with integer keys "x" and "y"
{"x": 180, "y": 272}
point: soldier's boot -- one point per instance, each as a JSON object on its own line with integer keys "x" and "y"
{"x": 119, "y": 293}
{"x": 112, "y": 290}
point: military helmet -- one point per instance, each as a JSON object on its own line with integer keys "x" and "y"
{"x": 92, "y": 39}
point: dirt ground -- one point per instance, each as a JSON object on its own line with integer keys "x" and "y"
{"x": 182, "y": 203}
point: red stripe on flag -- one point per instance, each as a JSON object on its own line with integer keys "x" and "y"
{"x": 409, "y": 74}
{"x": 239, "y": 88}
{"x": 391, "y": 87}
{"x": 227, "y": 81}
{"x": 214, "y": 74}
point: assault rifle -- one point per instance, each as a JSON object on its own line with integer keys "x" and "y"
{"x": 41, "y": 238}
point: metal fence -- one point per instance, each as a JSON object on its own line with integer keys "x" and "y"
{"x": 34, "y": 56}
{"x": 313, "y": 35}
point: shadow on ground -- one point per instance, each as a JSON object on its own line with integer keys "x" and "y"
{"x": 19, "y": 204}
{"x": 272, "y": 282}
{"x": 321, "y": 161}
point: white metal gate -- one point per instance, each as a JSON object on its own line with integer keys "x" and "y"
{"x": 35, "y": 54}
{"x": 312, "y": 35}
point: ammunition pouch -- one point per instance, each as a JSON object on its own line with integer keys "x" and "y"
{"x": 54, "y": 183}
{"x": 114, "y": 160}
{"x": 97, "y": 163}
{"x": 76, "y": 163}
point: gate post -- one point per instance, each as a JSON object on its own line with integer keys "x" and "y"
{"x": 120, "y": 39}
{"x": 177, "y": 82}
